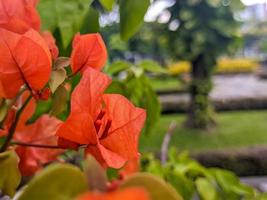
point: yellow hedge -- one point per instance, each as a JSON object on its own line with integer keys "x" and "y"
{"x": 225, "y": 65}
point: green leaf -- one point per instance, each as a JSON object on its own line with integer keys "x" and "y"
{"x": 206, "y": 189}
{"x": 231, "y": 184}
{"x": 151, "y": 66}
{"x": 107, "y": 4}
{"x": 117, "y": 87}
{"x": 10, "y": 175}
{"x": 156, "y": 187}
{"x": 59, "y": 101}
{"x": 48, "y": 14}
{"x": 58, "y": 76}
{"x": 118, "y": 66}
{"x": 132, "y": 16}
{"x": 91, "y": 22}
{"x": 3, "y": 109}
{"x": 142, "y": 94}
{"x": 67, "y": 15}
{"x": 56, "y": 182}
{"x": 96, "y": 175}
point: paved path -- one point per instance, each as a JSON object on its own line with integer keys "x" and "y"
{"x": 226, "y": 88}
{"x": 238, "y": 86}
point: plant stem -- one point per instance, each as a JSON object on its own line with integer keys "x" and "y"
{"x": 35, "y": 145}
{"x": 166, "y": 141}
{"x": 14, "y": 125}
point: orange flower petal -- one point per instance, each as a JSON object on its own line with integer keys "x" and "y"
{"x": 16, "y": 25}
{"x": 106, "y": 157}
{"x": 23, "y": 58}
{"x": 126, "y": 194}
{"x": 86, "y": 97}
{"x": 88, "y": 51}
{"x": 23, "y": 10}
{"x": 51, "y": 42}
{"x": 34, "y": 60}
{"x": 79, "y": 128}
{"x": 41, "y": 132}
{"x": 127, "y": 122}
{"x": 9, "y": 72}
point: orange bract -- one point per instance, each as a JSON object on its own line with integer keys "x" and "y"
{"x": 24, "y": 58}
{"x": 107, "y": 123}
{"x": 51, "y": 42}
{"x": 41, "y": 132}
{"x": 23, "y": 10}
{"x": 88, "y": 51}
{"x": 126, "y": 194}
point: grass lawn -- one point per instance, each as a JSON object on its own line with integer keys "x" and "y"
{"x": 235, "y": 129}
{"x": 166, "y": 83}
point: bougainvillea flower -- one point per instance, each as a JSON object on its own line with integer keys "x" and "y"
{"x": 126, "y": 194}
{"x": 25, "y": 115}
{"x": 51, "y": 42}
{"x": 88, "y": 51}
{"x": 24, "y": 59}
{"x": 108, "y": 124}
{"x": 41, "y": 132}
{"x": 23, "y": 10}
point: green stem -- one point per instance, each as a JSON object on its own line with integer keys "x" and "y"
{"x": 14, "y": 126}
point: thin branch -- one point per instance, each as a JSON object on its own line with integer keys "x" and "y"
{"x": 14, "y": 126}
{"x": 166, "y": 141}
{"x": 44, "y": 146}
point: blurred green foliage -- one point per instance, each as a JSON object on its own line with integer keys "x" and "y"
{"x": 193, "y": 180}
{"x": 131, "y": 81}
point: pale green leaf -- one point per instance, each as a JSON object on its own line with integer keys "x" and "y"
{"x": 107, "y": 4}
{"x": 118, "y": 66}
{"x": 61, "y": 62}
{"x": 58, "y": 76}
{"x": 96, "y": 175}
{"x": 10, "y": 175}
{"x": 206, "y": 189}
{"x": 157, "y": 188}
{"x": 59, "y": 101}
{"x": 56, "y": 182}
{"x": 151, "y": 66}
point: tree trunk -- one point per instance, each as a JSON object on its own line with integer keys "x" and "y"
{"x": 200, "y": 110}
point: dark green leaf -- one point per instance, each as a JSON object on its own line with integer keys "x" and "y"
{"x": 67, "y": 15}
{"x": 131, "y": 16}
{"x": 91, "y": 22}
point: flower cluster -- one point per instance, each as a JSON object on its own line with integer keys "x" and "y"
{"x": 106, "y": 126}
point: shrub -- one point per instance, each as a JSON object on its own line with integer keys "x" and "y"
{"x": 224, "y": 66}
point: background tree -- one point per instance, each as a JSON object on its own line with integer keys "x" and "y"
{"x": 205, "y": 31}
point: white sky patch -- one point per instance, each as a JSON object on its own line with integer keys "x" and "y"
{"x": 252, "y": 2}
{"x": 156, "y": 9}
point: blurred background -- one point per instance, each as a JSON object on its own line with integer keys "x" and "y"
{"x": 199, "y": 68}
